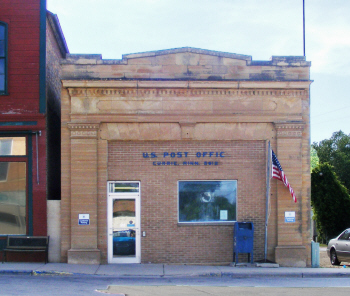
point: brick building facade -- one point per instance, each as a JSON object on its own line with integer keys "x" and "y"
{"x": 26, "y": 118}
{"x": 163, "y": 152}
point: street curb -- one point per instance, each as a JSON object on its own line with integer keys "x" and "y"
{"x": 203, "y": 275}
{"x": 59, "y": 273}
{"x": 16, "y": 272}
{"x": 34, "y": 272}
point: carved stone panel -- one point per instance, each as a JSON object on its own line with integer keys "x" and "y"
{"x": 86, "y": 131}
{"x": 289, "y": 130}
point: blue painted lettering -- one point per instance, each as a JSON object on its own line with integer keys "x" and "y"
{"x": 211, "y": 163}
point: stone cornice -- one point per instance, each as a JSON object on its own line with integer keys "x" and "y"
{"x": 289, "y": 129}
{"x": 192, "y": 92}
{"x": 84, "y": 130}
{"x": 299, "y": 84}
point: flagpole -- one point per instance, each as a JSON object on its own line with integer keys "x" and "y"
{"x": 304, "y": 26}
{"x": 267, "y": 196}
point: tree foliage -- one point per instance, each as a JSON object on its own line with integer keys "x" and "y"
{"x": 336, "y": 152}
{"x": 314, "y": 158}
{"x": 330, "y": 201}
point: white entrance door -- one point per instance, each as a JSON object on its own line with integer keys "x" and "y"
{"x": 124, "y": 222}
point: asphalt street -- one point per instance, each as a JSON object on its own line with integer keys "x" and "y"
{"x": 136, "y": 286}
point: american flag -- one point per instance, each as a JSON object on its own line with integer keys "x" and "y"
{"x": 278, "y": 174}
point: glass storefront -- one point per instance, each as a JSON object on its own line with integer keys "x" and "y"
{"x": 13, "y": 186}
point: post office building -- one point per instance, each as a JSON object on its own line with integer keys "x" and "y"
{"x": 164, "y": 152}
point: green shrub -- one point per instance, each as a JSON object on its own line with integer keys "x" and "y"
{"x": 330, "y": 201}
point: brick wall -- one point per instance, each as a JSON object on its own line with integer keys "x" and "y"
{"x": 167, "y": 241}
{"x": 53, "y": 97}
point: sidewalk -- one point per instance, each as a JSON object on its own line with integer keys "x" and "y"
{"x": 165, "y": 270}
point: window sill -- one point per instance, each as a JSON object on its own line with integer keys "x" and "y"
{"x": 180, "y": 224}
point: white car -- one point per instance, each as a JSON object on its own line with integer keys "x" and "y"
{"x": 338, "y": 248}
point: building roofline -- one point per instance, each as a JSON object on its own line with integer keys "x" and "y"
{"x": 58, "y": 33}
{"x": 297, "y": 61}
{"x": 185, "y": 50}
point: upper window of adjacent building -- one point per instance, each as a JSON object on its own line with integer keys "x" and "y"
{"x": 207, "y": 201}
{"x": 3, "y": 57}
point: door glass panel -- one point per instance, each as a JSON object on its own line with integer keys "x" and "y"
{"x": 12, "y": 198}
{"x": 124, "y": 222}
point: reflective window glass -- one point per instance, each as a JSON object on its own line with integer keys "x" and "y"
{"x": 2, "y": 64}
{"x": 345, "y": 235}
{"x": 2, "y": 73}
{"x": 2, "y": 49}
{"x": 207, "y": 201}
{"x": 124, "y": 220}
{"x": 2, "y": 82}
{"x": 3, "y": 57}
{"x": 12, "y": 146}
{"x": 12, "y": 198}
{"x": 2, "y": 32}
{"x": 124, "y": 187}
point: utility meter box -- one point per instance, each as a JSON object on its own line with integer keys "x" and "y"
{"x": 243, "y": 240}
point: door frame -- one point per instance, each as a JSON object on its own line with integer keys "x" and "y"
{"x": 124, "y": 195}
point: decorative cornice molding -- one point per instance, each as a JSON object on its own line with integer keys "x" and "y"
{"x": 84, "y": 130}
{"x": 289, "y": 129}
{"x": 188, "y": 84}
{"x": 169, "y": 92}
{"x": 84, "y": 126}
{"x": 77, "y": 92}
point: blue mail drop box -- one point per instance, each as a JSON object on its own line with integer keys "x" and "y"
{"x": 243, "y": 240}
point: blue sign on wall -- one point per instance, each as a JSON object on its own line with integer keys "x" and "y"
{"x": 84, "y": 219}
{"x": 289, "y": 217}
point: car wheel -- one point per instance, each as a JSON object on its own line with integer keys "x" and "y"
{"x": 334, "y": 258}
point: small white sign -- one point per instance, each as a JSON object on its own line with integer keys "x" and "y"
{"x": 223, "y": 214}
{"x": 289, "y": 217}
{"x": 84, "y": 219}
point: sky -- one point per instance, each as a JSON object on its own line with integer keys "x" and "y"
{"x": 257, "y": 28}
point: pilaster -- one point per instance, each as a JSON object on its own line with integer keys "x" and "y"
{"x": 290, "y": 252}
{"x": 83, "y": 143}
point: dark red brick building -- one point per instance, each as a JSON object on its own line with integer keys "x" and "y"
{"x": 29, "y": 115}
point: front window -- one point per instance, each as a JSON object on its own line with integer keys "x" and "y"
{"x": 13, "y": 185}
{"x": 3, "y": 57}
{"x": 207, "y": 201}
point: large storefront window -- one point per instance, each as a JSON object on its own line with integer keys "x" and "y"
{"x": 207, "y": 201}
{"x": 13, "y": 184}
